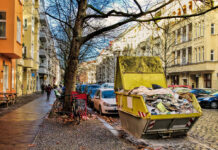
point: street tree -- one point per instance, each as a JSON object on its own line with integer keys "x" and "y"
{"x": 89, "y": 19}
{"x": 161, "y": 42}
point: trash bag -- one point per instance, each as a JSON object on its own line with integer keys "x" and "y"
{"x": 155, "y": 86}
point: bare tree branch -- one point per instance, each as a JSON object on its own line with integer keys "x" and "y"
{"x": 138, "y": 5}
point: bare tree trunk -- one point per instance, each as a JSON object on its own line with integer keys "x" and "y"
{"x": 70, "y": 75}
{"x": 71, "y": 70}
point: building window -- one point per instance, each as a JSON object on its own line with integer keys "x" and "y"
{"x": 5, "y": 78}
{"x": 203, "y": 53}
{"x": 212, "y": 28}
{"x": 21, "y": 1}
{"x": 190, "y": 32}
{"x": 25, "y": 24}
{"x": 190, "y": 5}
{"x": 175, "y": 80}
{"x": 179, "y": 12}
{"x": 199, "y": 28}
{"x": 196, "y": 30}
{"x": 24, "y": 51}
{"x": 12, "y": 80}
{"x": 199, "y": 54}
{"x": 2, "y": 24}
{"x": 196, "y": 55}
{"x": 184, "y": 9}
{"x": 207, "y": 80}
{"x": 212, "y": 55}
{"x": 203, "y": 28}
{"x": 18, "y": 30}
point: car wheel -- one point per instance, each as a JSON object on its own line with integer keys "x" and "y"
{"x": 214, "y": 105}
{"x": 100, "y": 111}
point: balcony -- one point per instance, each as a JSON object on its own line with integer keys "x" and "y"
{"x": 42, "y": 36}
{"x": 43, "y": 19}
{"x": 35, "y": 66}
{"x": 43, "y": 70}
{"x": 20, "y": 62}
{"x": 43, "y": 53}
{"x": 28, "y": 62}
{"x": 201, "y": 66}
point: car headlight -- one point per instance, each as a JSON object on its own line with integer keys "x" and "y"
{"x": 106, "y": 104}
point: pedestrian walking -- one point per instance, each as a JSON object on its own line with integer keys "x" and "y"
{"x": 48, "y": 90}
{"x": 42, "y": 88}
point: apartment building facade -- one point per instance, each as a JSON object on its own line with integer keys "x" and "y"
{"x": 49, "y": 69}
{"x": 192, "y": 54}
{"x": 87, "y": 72}
{"x": 11, "y": 20}
{"x": 195, "y": 53}
{"x": 27, "y": 67}
{"x": 129, "y": 43}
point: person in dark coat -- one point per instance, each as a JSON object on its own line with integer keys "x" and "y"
{"x": 48, "y": 91}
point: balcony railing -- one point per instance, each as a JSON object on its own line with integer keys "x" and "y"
{"x": 43, "y": 70}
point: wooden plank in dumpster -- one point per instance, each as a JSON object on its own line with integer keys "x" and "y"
{"x": 133, "y": 72}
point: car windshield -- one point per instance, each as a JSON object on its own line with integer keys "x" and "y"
{"x": 95, "y": 86}
{"x": 108, "y": 85}
{"x": 108, "y": 94}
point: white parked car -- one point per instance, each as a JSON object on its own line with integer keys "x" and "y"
{"x": 107, "y": 85}
{"x": 105, "y": 101}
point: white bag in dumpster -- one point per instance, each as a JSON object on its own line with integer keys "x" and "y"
{"x": 165, "y": 101}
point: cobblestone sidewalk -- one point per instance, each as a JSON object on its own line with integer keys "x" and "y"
{"x": 88, "y": 135}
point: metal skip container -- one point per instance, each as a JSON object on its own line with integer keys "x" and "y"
{"x": 132, "y": 72}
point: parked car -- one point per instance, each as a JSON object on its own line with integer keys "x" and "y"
{"x": 90, "y": 87}
{"x": 199, "y": 92}
{"x": 82, "y": 88}
{"x": 107, "y": 85}
{"x": 105, "y": 101}
{"x": 209, "y": 101}
{"x": 179, "y": 86}
{"x": 211, "y": 91}
{"x": 181, "y": 90}
{"x": 78, "y": 87}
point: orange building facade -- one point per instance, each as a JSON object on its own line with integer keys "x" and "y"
{"x": 11, "y": 22}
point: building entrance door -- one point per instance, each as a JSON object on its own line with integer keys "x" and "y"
{"x": 197, "y": 82}
{"x": 5, "y": 78}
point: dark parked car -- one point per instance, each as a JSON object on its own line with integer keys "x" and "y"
{"x": 78, "y": 87}
{"x": 199, "y": 92}
{"x": 82, "y": 88}
{"x": 209, "y": 101}
{"x": 90, "y": 87}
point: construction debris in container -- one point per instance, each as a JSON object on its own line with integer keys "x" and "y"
{"x": 165, "y": 101}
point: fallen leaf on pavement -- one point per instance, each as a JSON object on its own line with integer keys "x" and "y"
{"x": 31, "y": 145}
{"x": 82, "y": 148}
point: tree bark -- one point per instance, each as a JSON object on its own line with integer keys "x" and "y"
{"x": 73, "y": 61}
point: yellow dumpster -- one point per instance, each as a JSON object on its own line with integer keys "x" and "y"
{"x": 132, "y": 72}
